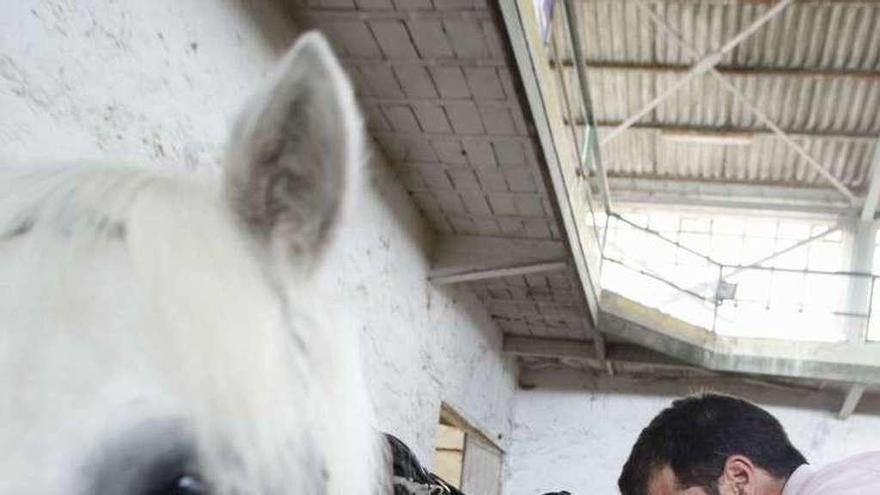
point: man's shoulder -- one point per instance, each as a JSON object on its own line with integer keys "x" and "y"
{"x": 859, "y": 474}
{"x": 866, "y": 461}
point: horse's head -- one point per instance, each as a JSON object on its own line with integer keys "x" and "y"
{"x": 160, "y": 335}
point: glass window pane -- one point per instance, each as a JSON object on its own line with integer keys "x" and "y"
{"x": 793, "y": 230}
{"x": 696, "y": 224}
{"x": 728, "y": 225}
{"x": 760, "y": 227}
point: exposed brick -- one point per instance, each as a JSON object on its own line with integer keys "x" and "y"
{"x": 538, "y": 228}
{"x": 449, "y": 151}
{"x": 475, "y": 202}
{"x": 393, "y": 39}
{"x": 484, "y": 83}
{"x": 413, "y": 4}
{"x": 394, "y": 149}
{"x": 419, "y": 149}
{"x": 492, "y": 179}
{"x": 358, "y": 80}
{"x": 506, "y": 81}
{"x": 411, "y": 179}
{"x": 462, "y": 224}
{"x": 337, "y": 4}
{"x": 487, "y": 226}
{"x": 511, "y": 226}
{"x": 502, "y": 203}
{"x": 497, "y": 121}
{"x": 520, "y": 179}
{"x": 437, "y": 180}
{"x": 401, "y": 118}
{"x": 479, "y": 152}
{"x": 431, "y": 117}
{"x": 466, "y": 37}
{"x": 426, "y": 201}
{"x": 529, "y": 205}
{"x": 356, "y": 37}
{"x": 438, "y": 222}
{"x": 464, "y": 117}
{"x": 375, "y": 118}
{"x": 415, "y": 81}
{"x": 493, "y": 39}
{"x": 454, "y": 4}
{"x": 430, "y": 38}
{"x": 374, "y": 4}
{"x": 509, "y": 152}
{"x": 450, "y": 82}
{"x": 381, "y": 81}
{"x": 464, "y": 179}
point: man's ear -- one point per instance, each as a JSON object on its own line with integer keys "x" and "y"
{"x": 293, "y": 150}
{"x": 739, "y": 477}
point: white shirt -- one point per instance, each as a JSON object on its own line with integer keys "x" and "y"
{"x": 856, "y": 475}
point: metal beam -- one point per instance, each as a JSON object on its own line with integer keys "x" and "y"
{"x": 607, "y": 125}
{"x": 853, "y": 396}
{"x": 762, "y": 117}
{"x": 571, "y": 11}
{"x": 705, "y": 63}
{"x": 728, "y": 195}
{"x": 576, "y": 349}
{"x": 507, "y": 271}
{"x": 869, "y": 209}
{"x": 459, "y": 259}
{"x": 726, "y": 70}
{"x": 523, "y": 33}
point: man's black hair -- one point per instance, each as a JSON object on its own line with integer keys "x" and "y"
{"x": 696, "y": 435}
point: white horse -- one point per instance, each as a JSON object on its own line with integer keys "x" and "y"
{"x": 159, "y": 333}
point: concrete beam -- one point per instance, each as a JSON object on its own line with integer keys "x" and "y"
{"x": 567, "y": 186}
{"x": 853, "y": 396}
{"x": 727, "y": 70}
{"x": 467, "y": 258}
{"x": 648, "y": 327}
{"x": 576, "y": 349}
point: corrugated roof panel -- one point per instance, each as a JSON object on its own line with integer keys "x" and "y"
{"x": 814, "y": 70}
{"x": 768, "y": 160}
{"x": 837, "y": 35}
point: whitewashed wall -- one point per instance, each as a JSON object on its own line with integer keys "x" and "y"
{"x": 573, "y": 432}
{"x": 158, "y": 82}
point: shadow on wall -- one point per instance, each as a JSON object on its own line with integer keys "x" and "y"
{"x": 825, "y": 397}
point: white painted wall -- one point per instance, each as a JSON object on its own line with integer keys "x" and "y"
{"x": 159, "y": 82}
{"x": 574, "y": 432}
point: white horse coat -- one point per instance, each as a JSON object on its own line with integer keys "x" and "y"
{"x": 159, "y": 333}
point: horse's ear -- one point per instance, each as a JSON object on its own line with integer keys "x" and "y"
{"x": 293, "y": 150}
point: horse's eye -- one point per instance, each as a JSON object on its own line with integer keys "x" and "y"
{"x": 187, "y": 484}
{"x": 153, "y": 458}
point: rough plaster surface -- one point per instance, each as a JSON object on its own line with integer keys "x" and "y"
{"x": 574, "y": 432}
{"x": 158, "y": 82}
{"x": 423, "y": 344}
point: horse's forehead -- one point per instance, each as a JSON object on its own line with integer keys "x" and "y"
{"x": 74, "y": 342}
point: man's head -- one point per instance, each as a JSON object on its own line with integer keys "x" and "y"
{"x": 710, "y": 445}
